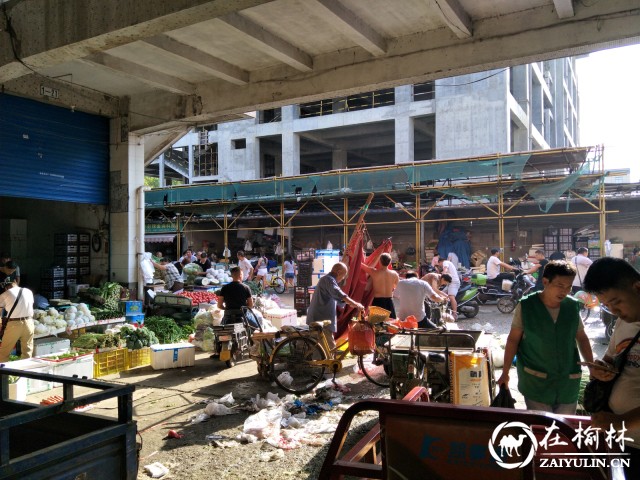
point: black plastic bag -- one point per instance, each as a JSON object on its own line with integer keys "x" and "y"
{"x": 504, "y": 398}
{"x": 596, "y": 395}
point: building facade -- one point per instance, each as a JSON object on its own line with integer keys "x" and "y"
{"x": 522, "y": 108}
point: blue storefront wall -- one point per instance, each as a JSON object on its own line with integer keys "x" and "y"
{"x": 52, "y": 153}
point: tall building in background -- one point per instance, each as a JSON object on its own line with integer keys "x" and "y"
{"x": 526, "y": 107}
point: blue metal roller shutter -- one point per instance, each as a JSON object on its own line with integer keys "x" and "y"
{"x": 52, "y": 153}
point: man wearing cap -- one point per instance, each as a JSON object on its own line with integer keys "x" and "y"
{"x": 18, "y": 303}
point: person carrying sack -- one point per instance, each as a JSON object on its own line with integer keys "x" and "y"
{"x": 19, "y": 321}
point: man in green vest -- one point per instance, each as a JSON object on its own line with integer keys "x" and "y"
{"x": 546, "y": 333}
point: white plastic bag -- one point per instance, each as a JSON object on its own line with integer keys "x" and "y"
{"x": 218, "y": 409}
{"x": 247, "y": 246}
{"x": 285, "y": 379}
{"x": 156, "y": 470}
{"x": 264, "y": 424}
{"x": 227, "y": 399}
{"x": 147, "y": 268}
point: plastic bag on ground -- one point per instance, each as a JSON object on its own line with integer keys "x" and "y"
{"x": 201, "y": 417}
{"x": 320, "y": 426}
{"x": 285, "y": 379}
{"x": 227, "y": 399}
{"x": 218, "y": 409}
{"x": 264, "y": 424}
{"x": 156, "y": 470}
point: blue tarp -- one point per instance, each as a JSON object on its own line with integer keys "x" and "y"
{"x": 454, "y": 239}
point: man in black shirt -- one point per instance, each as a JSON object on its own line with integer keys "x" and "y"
{"x": 204, "y": 262}
{"x": 233, "y": 296}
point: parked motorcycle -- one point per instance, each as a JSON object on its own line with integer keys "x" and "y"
{"x": 521, "y": 286}
{"x": 467, "y": 299}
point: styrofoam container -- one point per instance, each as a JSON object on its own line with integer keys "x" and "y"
{"x": 18, "y": 390}
{"x": 33, "y": 365}
{"x": 50, "y": 346}
{"x": 172, "y": 355}
{"x": 280, "y": 317}
{"x": 81, "y": 366}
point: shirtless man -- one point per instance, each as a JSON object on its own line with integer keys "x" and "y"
{"x": 437, "y": 280}
{"x": 384, "y": 282}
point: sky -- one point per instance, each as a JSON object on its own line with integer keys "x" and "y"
{"x": 610, "y": 105}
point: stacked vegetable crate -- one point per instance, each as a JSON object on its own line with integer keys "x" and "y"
{"x": 109, "y": 362}
{"x": 71, "y": 252}
{"x": 52, "y": 282}
{"x": 138, "y": 358}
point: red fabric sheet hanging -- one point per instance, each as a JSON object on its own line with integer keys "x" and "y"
{"x": 356, "y": 283}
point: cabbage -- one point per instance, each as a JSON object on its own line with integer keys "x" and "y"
{"x": 70, "y": 315}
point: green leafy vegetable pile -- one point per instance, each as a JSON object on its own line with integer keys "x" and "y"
{"x": 166, "y": 329}
{"x": 91, "y": 341}
{"x": 137, "y": 338}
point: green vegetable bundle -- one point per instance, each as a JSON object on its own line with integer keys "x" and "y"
{"x": 91, "y": 341}
{"x": 137, "y": 338}
{"x": 110, "y": 291}
{"x": 166, "y": 329}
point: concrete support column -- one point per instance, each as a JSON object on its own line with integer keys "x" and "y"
{"x": 289, "y": 113}
{"x": 290, "y": 153}
{"x": 338, "y": 159}
{"x": 126, "y": 175}
{"x": 403, "y": 94}
{"x": 290, "y": 141}
{"x": 161, "y": 170}
{"x": 404, "y": 139}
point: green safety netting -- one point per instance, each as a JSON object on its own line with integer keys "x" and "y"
{"x": 439, "y": 176}
{"x": 546, "y": 195}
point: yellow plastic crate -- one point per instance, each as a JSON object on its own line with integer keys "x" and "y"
{"x": 106, "y": 363}
{"x": 138, "y": 358}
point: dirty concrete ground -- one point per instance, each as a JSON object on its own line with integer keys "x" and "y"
{"x": 169, "y": 399}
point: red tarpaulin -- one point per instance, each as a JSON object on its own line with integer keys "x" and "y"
{"x": 356, "y": 283}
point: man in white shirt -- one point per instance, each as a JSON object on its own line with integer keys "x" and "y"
{"x": 245, "y": 266}
{"x": 453, "y": 287}
{"x": 409, "y": 296}
{"x": 493, "y": 268}
{"x": 582, "y": 263}
{"x": 20, "y": 323}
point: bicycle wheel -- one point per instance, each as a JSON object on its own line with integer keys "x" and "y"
{"x": 375, "y": 366}
{"x": 278, "y": 284}
{"x": 295, "y": 356}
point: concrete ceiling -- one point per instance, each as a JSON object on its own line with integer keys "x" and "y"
{"x": 167, "y": 65}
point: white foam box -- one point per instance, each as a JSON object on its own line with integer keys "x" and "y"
{"x": 279, "y": 317}
{"x": 18, "y": 390}
{"x": 172, "y": 355}
{"x": 82, "y": 366}
{"x": 33, "y": 365}
{"x": 50, "y": 346}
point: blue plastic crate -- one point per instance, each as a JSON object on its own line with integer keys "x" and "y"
{"x": 131, "y": 307}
